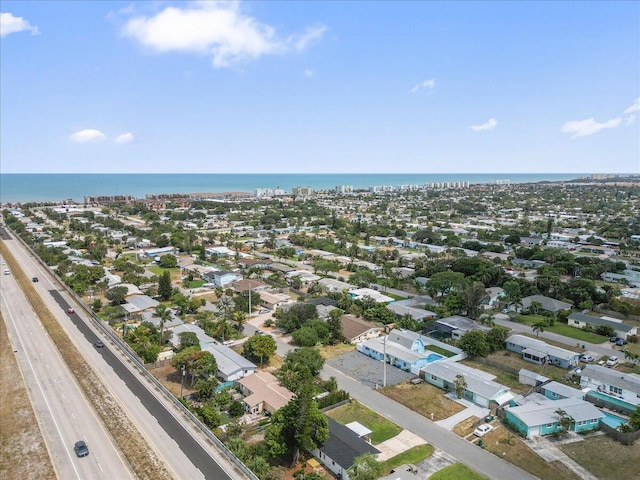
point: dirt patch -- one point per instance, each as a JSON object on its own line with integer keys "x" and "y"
{"x": 424, "y": 399}
{"x": 465, "y": 427}
{"x": 330, "y": 351}
{"x": 172, "y": 380}
{"x": 22, "y": 448}
{"x": 605, "y": 458}
{"x": 142, "y": 459}
{"x": 512, "y": 449}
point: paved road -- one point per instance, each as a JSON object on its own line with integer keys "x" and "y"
{"x": 467, "y": 453}
{"x": 185, "y": 450}
{"x": 64, "y": 414}
{"x": 605, "y": 348}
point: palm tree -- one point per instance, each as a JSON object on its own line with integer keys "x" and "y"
{"x": 538, "y": 328}
{"x": 164, "y": 313}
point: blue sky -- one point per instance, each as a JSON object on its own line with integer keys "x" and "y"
{"x": 252, "y": 87}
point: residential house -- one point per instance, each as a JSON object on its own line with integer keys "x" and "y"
{"x": 480, "y": 389}
{"x": 542, "y": 417}
{"x": 494, "y": 294}
{"x": 245, "y": 285}
{"x": 140, "y": 303}
{"x": 203, "y": 338}
{"x": 531, "y": 241}
{"x": 558, "y": 391}
{"x": 361, "y": 293}
{"x": 622, "y": 330}
{"x": 612, "y": 386}
{"x": 357, "y": 330}
{"x": 454, "y": 327}
{"x": 263, "y": 392}
{"x": 273, "y": 300}
{"x": 541, "y": 353}
{"x": 231, "y": 366}
{"x": 545, "y": 303}
{"x": 528, "y": 377}
{"x": 341, "y": 449}
{"x": 417, "y": 314}
{"x": 333, "y": 285}
{"x": 220, "y": 278}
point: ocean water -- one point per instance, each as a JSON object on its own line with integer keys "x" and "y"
{"x": 21, "y": 188}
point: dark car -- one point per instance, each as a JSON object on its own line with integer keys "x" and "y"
{"x": 81, "y": 448}
{"x": 34, "y": 279}
{"x": 258, "y": 332}
{"x": 613, "y": 339}
{"x": 98, "y": 344}
{"x": 620, "y": 342}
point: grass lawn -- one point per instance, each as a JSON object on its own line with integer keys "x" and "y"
{"x": 174, "y": 272}
{"x": 605, "y": 458}
{"x": 457, "y": 471}
{"x": 519, "y": 454}
{"x": 515, "y": 360}
{"x": 330, "y": 351}
{"x": 395, "y": 297}
{"x": 424, "y": 399}
{"x": 505, "y": 378}
{"x": 413, "y": 456}
{"x": 440, "y": 350}
{"x": 382, "y": 429}
{"x": 196, "y": 283}
{"x": 563, "y": 329}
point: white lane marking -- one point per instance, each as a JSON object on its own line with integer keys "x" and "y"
{"x": 35, "y": 376}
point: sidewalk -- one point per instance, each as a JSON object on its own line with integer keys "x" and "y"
{"x": 547, "y": 450}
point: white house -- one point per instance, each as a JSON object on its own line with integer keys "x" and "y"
{"x": 612, "y": 386}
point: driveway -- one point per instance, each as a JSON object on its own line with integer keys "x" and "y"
{"x": 367, "y": 370}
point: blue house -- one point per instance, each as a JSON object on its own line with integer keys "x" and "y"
{"x": 542, "y": 417}
{"x": 541, "y": 353}
{"x": 220, "y": 278}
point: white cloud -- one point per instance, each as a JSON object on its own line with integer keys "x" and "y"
{"x": 308, "y": 73}
{"x": 216, "y": 29}
{"x": 630, "y": 119}
{"x": 312, "y": 35}
{"x": 582, "y": 128}
{"x": 87, "y": 135}
{"x": 488, "y": 125}
{"x": 430, "y": 84}
{"x": 125, "y": 138}
{"x": 10, "y": 24}
{"x": 633, "y": 108}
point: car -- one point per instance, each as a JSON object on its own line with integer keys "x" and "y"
{"x": 577, "y": 371}
{"x": 482, "y": 430}
{"x": 34, "y": 279}
{"x": 621, "y": 342}
{"x": 81, "y": 448}
{"x": 98, "y": 344}
{"x": 70, "y": 311}
{"x": 613, "y": 339}
{"x": 264, "y": 310}
{"x": 7, "y": 272}
{"x": 612, "y": 361}
{"x": 227, "y": 342}
{"x": 259, "y": 332}
{"x": 587, "y": 358}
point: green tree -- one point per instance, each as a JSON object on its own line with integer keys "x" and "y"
{"x": 335, "y": 326}
{"x": 474, "y": 343}
{"x": 309, "y": 357}
{"x": 116, "y": 295}
{"x": 163, "y": 312}
{"x": 165, "y": 288}
{"x": 365, "y": 467}
{"x": 460, "y": 385}
{"x": 168, "y": 261}
{"x": 442, "y": 283}
{"x": 188, "y": 339}
{"x": 210, "y": 414}
{"x": 472, "y": 295}
{"x": 539, "y": 327}
{"x": 299, "y": 425}
{"x": 259, "y": 346}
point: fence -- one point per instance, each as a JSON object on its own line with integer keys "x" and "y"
{"x": 625, "y": 438}
{"x": 498, "y": 365}
{"x": 137, "y": 363}
{"x": 611, "y": 405}
{"x": 616, "y": 314}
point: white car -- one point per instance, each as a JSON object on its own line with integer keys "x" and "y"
{"x": 482, "y": 430}
{"x": 611, "y": 361}
{"x": 587, "y": 358}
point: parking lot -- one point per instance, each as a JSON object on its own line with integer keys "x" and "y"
{"x": 366, "y": 370}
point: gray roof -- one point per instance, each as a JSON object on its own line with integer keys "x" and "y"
{"x": 533, "y": 414}
{"x": 458, "y": 322}
{"x": 142, "y": 302}
{"x": 534, "y": 375}
{"x": 540, "y": 346}
{"x": 563, "y": 390}
{"x": 588, "y": 319}
{"x": 628, "y": 381}
{"x": 416, "y": 313}
{"x": 343, "y": 445}
{"x": 203, "y": 338}
{"x": 229, "y": 362}
{"x": 548, "y": 303}
{"x": 475, "y": 383}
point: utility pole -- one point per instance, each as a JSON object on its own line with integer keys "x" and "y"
{"x": 384, "y": 362}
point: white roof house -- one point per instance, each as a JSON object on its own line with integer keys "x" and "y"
{"x": 231, "y": 366}
{"x": 607, "y": 382}
{"x": 537, "y": 351}
{"x": 360, "y": 293}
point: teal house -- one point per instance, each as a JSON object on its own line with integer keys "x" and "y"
{"x": 542, "y": 417}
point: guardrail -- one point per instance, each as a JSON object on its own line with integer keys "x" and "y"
{"x": 137, "y": 362}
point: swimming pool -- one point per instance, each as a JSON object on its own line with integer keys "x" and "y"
{"x": 612, "y": 420}
{"x": 433, "y": 357}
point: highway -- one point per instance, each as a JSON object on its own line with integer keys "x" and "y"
{"x": 64, "y": 414}
{"x": 186, "y": 452}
